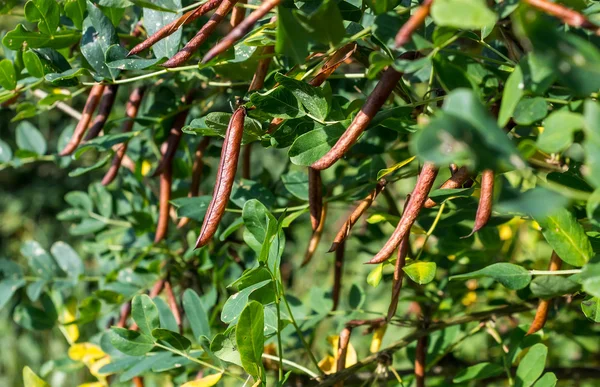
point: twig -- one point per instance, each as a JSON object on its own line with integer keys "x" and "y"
{"x": 415, "y": 21}
{"x": 567, "y": 15}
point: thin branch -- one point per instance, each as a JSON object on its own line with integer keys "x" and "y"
{"x": 566, "y": 15}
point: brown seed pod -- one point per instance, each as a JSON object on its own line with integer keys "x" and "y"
{"x": 172, "y": 301}
{"x": 356, "y": 214}
{"x": 241, "y": 29}
{"x": 566, "y": 15}
{"x": 196, "y": 174}
{"x": 172, "y": 142}
{"x": 166, "y": 180}
{"x": 225, "y": 177}
{"x": 457, "y": 179}
{"x": 338, "y": 271}
{"x": 238, "y": 14}
{"x": 86, "y": 117}
{"x": 315, "y": 238}
{"x": 138, "y": 381}
{"x": 131, "y": 111}
{"x": 124, "y": 314}
{"x": 186, "y": 52}
{"x": 315, "y": 197}
{"x": 484, "y": 209}
{"x": 541, "y": 313}
{"x": 104, "y": 109}
{"x": 343, "y": 342}
{"x": 170, "y": 28}
{"x": 417, "y": 199}
{"x": 414, "y": 22}
{"x": 421, "y": 361}
{"x": 374, "y": 102}
{"x": 403, "y": 250}
{"x": 258, "y": 80}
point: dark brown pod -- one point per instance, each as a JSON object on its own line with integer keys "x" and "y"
{"x": 356, "y": 214}
{"x": 315, "y": 238}
{"x": 197, "y": 167}
{"x": 225, "y": 177}
{"x": 403, "y": 250}
{"x": 415, "y": 21}
{"x": 104, "y": 109}
{"x": 238, "y": 14}
{"x": 86, "y": 116}
{"x": 186, "y": 52}
{"x": 457, "y": 179}
{"x": 131, "y": 111}
{"x": 170, "y": 28}
{"x": 172, "y": 142}
{"x": 258, "y": 80}
{"x": 338, "y": 271}
{"x": 541, "y": 314}
{"x": 420, "y": 361}
{"x": 416, "y": 201}
{"x": 241, "y": 29}
{"x": 315, "y": 197}
{"x": 166, "y": 180}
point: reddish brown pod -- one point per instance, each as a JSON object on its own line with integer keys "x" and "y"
{"x": 192, "y": 46}
{"x": 458, "y": 178}
{"x": 566, "y": 15}
{"x": 241, "y": 29}
{"x": 170, "y": 28}
{"x": 106, "y": 104}
{"x": 403, "y": 251}
{"x": 197, "y": 167}
{"x": 86, "y": 116}
{"x": 238, "y": 14}
{"x": 315, "y": 197}
{"x": 420, "y": 361}
{"x": 166, "y": 181}
{"x": 131, "y": 111}
{"x": 356, "y": 214}
{"x": 225, "y": 177}
{"x": 343, "y": 343}
{"x": 338, "y": 270}
{"x": 541, "y": 314}
{"x": 486, "y": 197}
{"x": 415, "y": 204}
{"x": 315, "y": 237}
{"x": 415, "y": 21}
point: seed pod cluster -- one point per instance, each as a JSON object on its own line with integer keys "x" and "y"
{"x": 225, "y": 177}
{"x": 457, "y": 179}
{"x": 104, "y": 108}
{"x": 86, "y": 116}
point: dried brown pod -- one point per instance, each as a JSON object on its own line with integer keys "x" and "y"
{"x": 403, "y": 250}
{"x": 566, "y": 15}
{"x": 197, "y": 167}
{"x": 457, "y": 179}
{"x": 541, "y": 314}
{"x": 315, "y": 197}
{"x": 343, "y": 342}
{"x": 138, "y": 381}
{"x": 241, "y": 29}
{"x": 172, "y": 301}
{"x": 315, "y": 237}
{"x": 131, "y": 111}
{"x": 374, "y": 102}
{"x": 416, "y": 201}
{"x": 258, "y": 80}
{"x": 356, "y": 214}
{"x": 225, "y": 177}
{"x": 172, "y": 142}
{"x": 170, "y": 28}
{"x": 88, "y": 110}
{"x": 238, "y": 14}
{"x": 484, "y": 209}
{"x": 207, "y": 29}
{"x": 124, "y": 314}
{"x": 338, "y": 271}
{"x": 420, "y": 361}
{"x": 104, "y": 108}
{"x": 166, "y": 180}
{"x": 415, "y": 21}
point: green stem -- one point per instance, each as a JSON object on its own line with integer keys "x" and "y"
{"x": 27, "y": 160}
{"x": 110, "y": 221}
{"x": 431, "y": 229}
{"x": 557, "y": 272}
{"x": 291, "y": 364}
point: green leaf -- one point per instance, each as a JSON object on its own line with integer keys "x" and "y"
{"x": 101, "y": 198}
{"x": 75, "y": 10}
{"x": 250, "y": 339}
{"x": 530, "y": 110}
{"x": 98, "y": 35}
{"x": 79, "y": 199}
{"x": 590, "y": 279}
{"x": 145, "y": 314}
{"x": 224, "y": 347}
{"x": 591, "y": 308}
{"x": 30, "y": 379}
{"x": 45, "y": 12}
{"x": 375, "y": 275}
{"x": 235, "y": 304}
{"x": 193, "y": 208}
{"x": 40, "y": 262}
{"x": 173, "y": 339}
{"x": 279, "y": 102}
{"x": 531, "y": 366}
{"x": 292, "y": 40}
{"x": 559, "y": 128}
{"x": 14, "y": 39}
{"x": 474, "y": 14}
{"x": 196, "y": 314}
{"x": 312, "y": 98}
{"x": 591, "y": 144}
{"x": 97, "y": 165}
{"x": 538, "y": 202}
{"x": 325, "y": 24}
{"x": 68, "y": 259}
{"x": 512, "y": 276}
{"x": 5, "y": 152}
{"x": 567, "y": 237}
{"x": 129, "y": 342}
{"x": 8, "y": 75}
{"x": 155, "y": 19}
{"x": 421, "y": 272}
{"x": 478, "y": 371}
{"x": 8, "y": 287}
{"x": 33, "y": 318}
{"x": 167, "y": 320}
{"x": 296, "y": 183}
{"x": 215, "y": 124}
{"x": 256, "y": 219}
{"x": 29, "y": 138}
{"x": 549, "y": 286}
{"x": 547, "y": 380}
{"x": 311, "y": 146}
